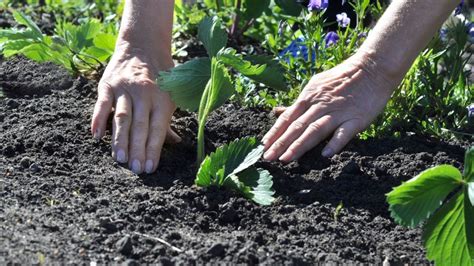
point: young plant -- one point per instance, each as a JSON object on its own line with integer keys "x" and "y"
{"x": 81, "y": 48}
{"x": 204, "y": 84}
{"x": 445, "y": 198}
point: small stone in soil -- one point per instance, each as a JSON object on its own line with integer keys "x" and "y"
{"x": 12, "y": 104}
{"x": 34, "y": 168}
{"x": 216, "y": 250}
{"x": 25, "y": 162}
{"x": 124, "y": 245}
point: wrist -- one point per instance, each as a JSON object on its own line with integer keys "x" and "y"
{"x": 160, "y": 59}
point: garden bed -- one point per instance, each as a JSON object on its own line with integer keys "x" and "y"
{"x": 63, "y": 198}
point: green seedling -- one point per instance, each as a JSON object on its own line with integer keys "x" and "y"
{"x": 204, "y": 84}
{"x": 448, "y": 234}
{"x": 82, "y": 49}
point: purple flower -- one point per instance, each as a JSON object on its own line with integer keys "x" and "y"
{"x": 470, "y": 32}
{"x": 443, "y": 34}
{"x": 458, "y": 9}
{"x": 343, "y": 20}
{"x": 315, "y": 5}
{"x": 331, "y": 38}
{"x": 470, "y": 111}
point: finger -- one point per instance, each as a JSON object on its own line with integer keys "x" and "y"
{"x": 121, "y": 128}
{"x": 341, "y": 137}
{"x": 295, "y": 130}
{"x": 102, "y": 109}
{"x": 172, "y": 137}
{"x": 159, "y": 125}
{"x": 279, "y": 110}
{"x": 282, "y": 123}
{"x": 314, "y": 134}
{"x": 138, "y": 136}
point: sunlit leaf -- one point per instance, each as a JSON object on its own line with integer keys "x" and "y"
{"x": 445, "y": 234}
{"x": 416, "y": 200}
{"x": 213, "y": 37}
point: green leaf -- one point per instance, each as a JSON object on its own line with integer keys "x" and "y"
{"x": 289, "y": 7}
{"x": 416, "y": 200}
{"x": 213, "y": 37}
{"x": 445, "y": 234}
{"x": 231, "y": 166}
{"x": 470, "y": 192}
{"x": 254, "y": 8}
{"x": 230, "y": 57}
{"x": 273, "y": 75}
{"x": 221, "y": 87}
{"x": 469, "y": 165}
{"x": 105, "y": 41}
{"x": 469, "y": 218}
{"x": 22, "y": 19}
{"x": 186, "y": 82}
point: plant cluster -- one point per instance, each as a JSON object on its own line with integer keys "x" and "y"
{"x": 83, "y": 48}
{"x": 204, "y": 84}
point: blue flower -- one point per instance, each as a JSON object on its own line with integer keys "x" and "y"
{"x": 470, "y": 32}
{"x": 343, "y": 20}
{"x": 315, "y": 5}
{"x": 443, "y": 34}
{"x": 297, "y": 48}
{"x": 331, "y": 38}
{"x": 458, "y": 9}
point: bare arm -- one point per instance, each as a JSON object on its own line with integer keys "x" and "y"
{"x": 142, "y": 111}
{"x": 343, "y": 101}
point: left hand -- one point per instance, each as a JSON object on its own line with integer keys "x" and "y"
{"x": 343, "y": 100}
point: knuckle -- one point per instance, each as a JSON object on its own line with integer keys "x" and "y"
{"x": 121, "y": 117}
{"x": 285, "y": 117}
{"x": 140, "y": 124}
{"x": 279, "y": 144}
{"x": 315, "y": 127}
{"x": 299, "y": 125}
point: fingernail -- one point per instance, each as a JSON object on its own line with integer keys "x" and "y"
{"x": 97, "y": 134}
{"x": 149, "y": 166}
{"x": 327, "y": 152}
{"x": 121, "y": 156}
{"x": 269, "y": 155}
{"x": 286, "y": 158}
{"x": 136, "y": 167}
{"x": 264, "y": 141}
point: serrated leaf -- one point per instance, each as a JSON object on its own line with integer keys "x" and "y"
{"x": 230, "y": 58}
{"x": 259, "y": 185}
{"x": 213, "y": 37}
{"x": 416, "y": 200}
{"x": 231, "y": 166}
{"x": 221, "y": 87}
{"x": 445, "y": 234}
{"x": 272, "y": 76}
{"x": 186, "y": 82}
{"x": 469, "y": 165}
{"x": 470, "y": 192}
{"x": 105, "y": 41}
{"x": 469, "y": 219}
{"x": 22, "y": 19}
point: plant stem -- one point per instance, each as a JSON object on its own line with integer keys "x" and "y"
{"x": 202, "y": 117}
{"x": 235, "y": 24}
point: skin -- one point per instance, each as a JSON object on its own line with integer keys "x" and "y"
{"x": 338, "y": 103}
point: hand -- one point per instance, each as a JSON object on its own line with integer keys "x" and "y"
{"x": 343, "y": 100}
{"x": 142, "y": 114}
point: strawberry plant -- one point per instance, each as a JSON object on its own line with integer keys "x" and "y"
{"x": 81, "y": 48}
{"x": 204, "y": 84}
{"x": 445, "y": 198}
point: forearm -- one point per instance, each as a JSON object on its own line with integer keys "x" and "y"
{"x": 403, "y": 31}
{"x": 147, "y": 25}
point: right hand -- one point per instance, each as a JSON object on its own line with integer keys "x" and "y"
{"x": 142, "y": 112}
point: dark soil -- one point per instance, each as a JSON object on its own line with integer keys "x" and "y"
{"x": 64, "y": 200}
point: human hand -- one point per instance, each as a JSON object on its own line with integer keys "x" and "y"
{"x": 142, "y": 112}
{"x": 343, "y": 100}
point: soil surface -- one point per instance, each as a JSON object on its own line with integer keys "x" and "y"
{"x": 63, "y": 199}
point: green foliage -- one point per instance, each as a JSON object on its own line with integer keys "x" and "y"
{"x": 231, "y": 166}
{"x": 417, "y": 199}
{"x": 449, "y": 232}
{"x": 212, "y": 36}
{"x": 81, "y": 48}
